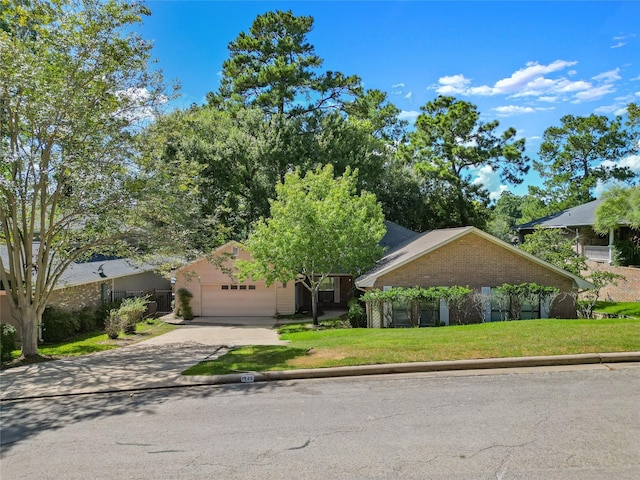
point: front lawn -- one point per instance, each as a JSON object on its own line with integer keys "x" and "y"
{"x": 344, "y": 347}
{"x": 98, "y": 341}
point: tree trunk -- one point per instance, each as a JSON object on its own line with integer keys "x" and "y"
{"x": 29, "y": 331}
{"x": 314, "y": 305}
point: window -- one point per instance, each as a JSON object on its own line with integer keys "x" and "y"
{"x": 501, "y": 308}
{"x": 530, "y": 309}
{"x": 234, "y": 251}
{"x": 243, "y": 287}
{"x": 430, "y": 315}
{"x": 402, "y": 314}
{"x": 252, "y": 287}
{"x": 225, "y": 287}
{"x": 234, "y": 287}
{"x": 326, "y": 285}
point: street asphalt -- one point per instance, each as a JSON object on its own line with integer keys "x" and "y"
{"x": 160, "y": 361}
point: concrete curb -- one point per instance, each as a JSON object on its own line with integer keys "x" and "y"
{"x": 416, "y": 367}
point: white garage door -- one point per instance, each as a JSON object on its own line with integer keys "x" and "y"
{"x": 243, "y": 301}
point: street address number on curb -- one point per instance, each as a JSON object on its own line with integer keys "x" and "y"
{"x": 247, "y": 378}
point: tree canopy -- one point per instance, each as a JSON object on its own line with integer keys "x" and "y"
{"x": 273, "y": 67}
{"x": 74, "y": 81}
{"x": 318, "y": 225}
{"x": 449, "y": 142}
{"x": 620, "y": 206}
{"x": 578, "y": 155}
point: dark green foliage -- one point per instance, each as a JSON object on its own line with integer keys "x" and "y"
{"x": 356, "y": 314}
{"x": 625, "y": 253}
{"x": 8, "y": 336}
{"x": 58, "y": 324}
{"x": 184, "y": 304}
{"x": 449, "y": 141}
{"x": 103, "y": 311}
{"x": 578, "y": 154}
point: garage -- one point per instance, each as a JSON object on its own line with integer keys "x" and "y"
{"x": 232, "y": 300}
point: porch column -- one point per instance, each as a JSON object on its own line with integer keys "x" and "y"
{"x": 610, "y": 243}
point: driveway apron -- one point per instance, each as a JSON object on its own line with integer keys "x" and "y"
{"x": 154, "y": 363}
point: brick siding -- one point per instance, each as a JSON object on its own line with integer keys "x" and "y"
{"x": 627, "y": 290}
{"x": 476, "y": 262}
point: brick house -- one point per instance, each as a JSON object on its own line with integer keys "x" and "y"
{"x": 216, "y": 292}
{"x": 88, "y": 284}
{"x": 471, "y": 258}
{"x": 576, "y": 224}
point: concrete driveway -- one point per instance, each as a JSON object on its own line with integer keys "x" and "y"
{"x": 154, "y": 363}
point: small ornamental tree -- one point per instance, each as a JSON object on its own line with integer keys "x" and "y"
{"x": 511, "y": 298}
{"x": 318, "y": 226}
{"x": 553, "y": 246}
{"x": 418, "y": 297}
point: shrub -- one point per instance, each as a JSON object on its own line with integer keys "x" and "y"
{"x": 184, "y": 305}
{"x": 58, "y": 324}
{"x": 356, "y": 314}
{"x": 131, "y": 312}
{"x": 112, "y": 324}
{"x": 8, "y": 337}
{"x": 104, "y": 310}
{"x": 86, "y": 318}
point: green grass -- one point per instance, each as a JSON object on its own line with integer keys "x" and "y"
{"x": 626, "y": 309}
{"x": 99, "y": 341}
{"x": 344, "y": 347}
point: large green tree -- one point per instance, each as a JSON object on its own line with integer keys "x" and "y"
{"x": 274, "y": 67}
{"x": 74, "y": 82}
{"x": 583, "y": 151}
{"x": 319, "y": 225}
{"x": 449, "y": 142}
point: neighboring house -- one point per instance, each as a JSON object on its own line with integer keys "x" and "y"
{"x": 88, "y": 284}
{"x": 466, "y": 257}
{"x": 577, "y": 225}
{"x": 216, "y": 292}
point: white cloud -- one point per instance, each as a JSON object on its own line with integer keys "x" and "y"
{"x": 509, "y": 110}
{"x": 624, "y": 36}
{"x": 398, "y": 85}
{"x": 519, "y": 80}
{"x": 543, "y": 82}
{"x": 408, "y": 96}
{"x": 610, "y": 76}
{"x": 410, "y": 115}
{"x": 618, "y": 45}
{"x": 490, "y": 180}
{"x": 594, "y": 93}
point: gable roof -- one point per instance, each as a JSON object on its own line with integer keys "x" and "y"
{"x": 82, "y": 273}
{"x": 580, "y": 216}
{"x": 434, "y": 239}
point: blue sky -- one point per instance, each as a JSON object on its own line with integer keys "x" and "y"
{"x": 524, "y": 63}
